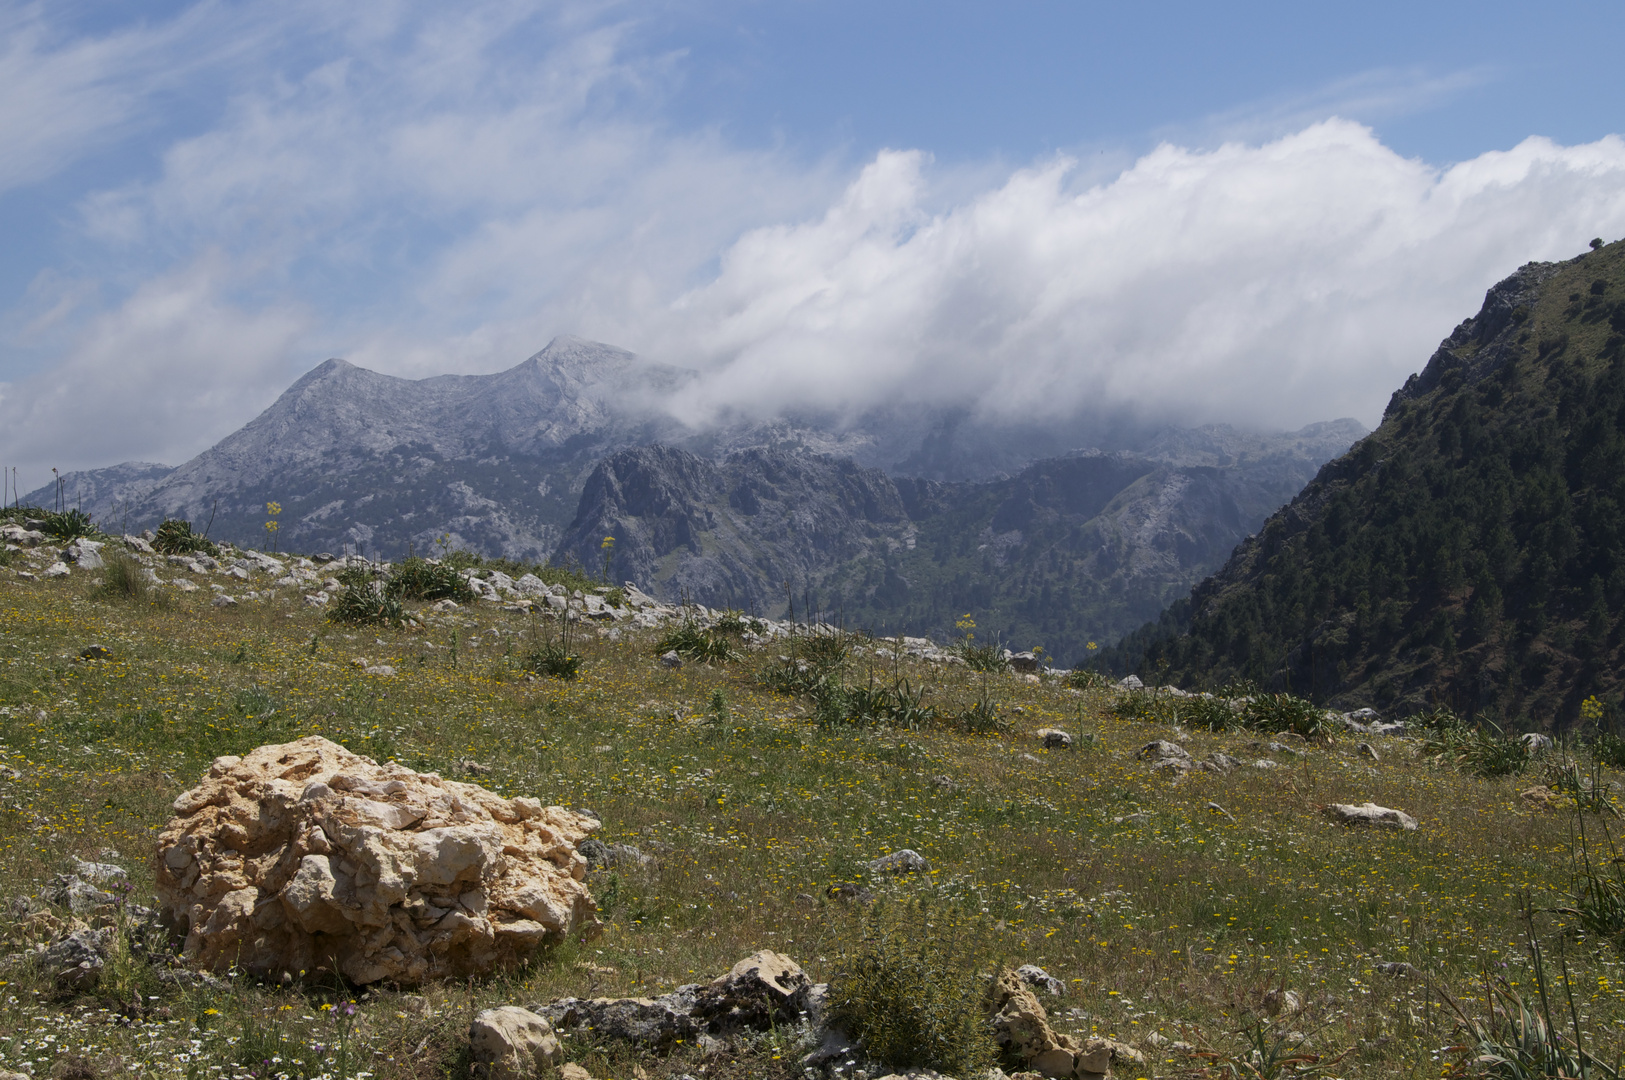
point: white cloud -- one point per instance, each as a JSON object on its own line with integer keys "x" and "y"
{"x": 424, "y": 189}
{"x": 1270, "y": 285}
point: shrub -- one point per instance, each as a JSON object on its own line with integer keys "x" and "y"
{"x": 1086, "y": 679}
{"x": 124, "y": 578}
{"x": 911, "y": 992}
{"x": 1284, "y": 714}
{"x": 175, "y": 537}
{"x": 364, "y": 602}
{"x": 691, "y": 642}
{"x": 1145, "y": 706}
{"x": 419, "y": 579}
{"x": 789, "y": 675}
{"x": 556, "y": 657}
{"x": 982, "y": 657}
{"x": 899, "y": 704}
{"x": 1608, "y": 749}
{"x": 1208, "y": 713}
{"x": 553, "y": 659}
{"x": 736, "y": 623}
{"x": 68, "y": 524}
{"x": 828, "y": 649}
{"x": 981, "y": 718}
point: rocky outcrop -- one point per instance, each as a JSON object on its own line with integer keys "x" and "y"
{"x": 1021, "y": 1028}
{"x": 762, "y": 990}
{"x": 304, "y": 856}
{"x": 1370, "y": 815}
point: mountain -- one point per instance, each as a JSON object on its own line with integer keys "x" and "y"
{"x": 493, "y": 463}
{"x": 496, "y": 463}
{"x": 1470, "y": 551}
{"x": 1067, "y": 551}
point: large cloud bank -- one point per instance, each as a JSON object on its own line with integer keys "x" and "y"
{"x": 410, "y": 189}
{"x": 1267, "y": 285}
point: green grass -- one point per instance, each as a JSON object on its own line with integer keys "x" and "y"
{"x": 1160, "y": 914}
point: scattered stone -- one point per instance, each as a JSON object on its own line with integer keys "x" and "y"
{"x": 303, "y": 854}
{"x": 570, "y": 1070}
{"x": 906, "y": 861}
{"x": 378, "y": 669}
{"x": 1161, "y": 749}
{"x": 79, "y": 890}
{"x": 1222, "y": 762}
{"x": 319, "y": 599}
{"x": 671, "y": 659}
{"x": 224, "y": 601}
{"x": 1398, "y": 969}
{"x": 1131, "y": 683}
{"x": 138, "y": 544}
{"x": 763, "y": 990}
{"x": 849, "y": 891}
{"x": 55, "y": 570}
{"x": 510, "y": 1043}
{"x": 95, "y": 652}
{"x": 238, "y": 572}
{"x": 1534, "y": 742}
{"x": 602, "y": 856}
{"x": 1282, "y": 1001}
{"x": 1022, "y": 1030}
{"x": 1024, "y": 662}
{"x": 1372, "y": 815}
{"x": 1033, "y": 975}
{"x": 85, "y": 554}
{"x": 1266, "y": 763}
{"x": 76, "y": 960}
{"x": 1172, "y": 768}
{"x": 1541, "y": 797}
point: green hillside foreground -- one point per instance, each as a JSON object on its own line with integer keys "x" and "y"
{"x": 1170, "y": 910}
{"x": 1470, "y": 552}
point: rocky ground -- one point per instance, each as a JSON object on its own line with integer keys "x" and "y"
{"x": 1128, "y": 887}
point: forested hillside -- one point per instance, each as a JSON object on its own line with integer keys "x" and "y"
{"x": 1469, "y": 552}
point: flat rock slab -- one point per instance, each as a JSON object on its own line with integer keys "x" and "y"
{"x": 1371, "y": 815}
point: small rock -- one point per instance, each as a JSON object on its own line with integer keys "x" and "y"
{"x": 1398, "y": 969}
{"x": 138, "y": 544}
{"x": 85, "y": 554}
{"x": 1281, "y": 1001}
{"x": 1033, "y": 975}
{"x": 1024, "y": 662}
{"x": 76, "y": 960}
{"x": 849, "y": 891}
{"x": 1131, "y": 683}
{"x": 224, "y": 601}
{"x": 1223, "y": 763}
{"x": 311, "y": 599}
{"x": 671, "y": 659}
{"x": 379, "y": 669}
{"x": 1372, "y": 815}
{"x": 906, "y": 861}
{"x": 1541, "y": 797}
{"x": 570, "y": 1070}
{"x": 510, "y": 1043}
{"x": 95, "y": 652}
{"x": 238, "y": 572}
{"x": 55, "y": 570}
{"x": 1161, "y": 749}
{"x": 1534, "y": 742}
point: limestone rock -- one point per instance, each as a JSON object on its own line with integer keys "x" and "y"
{"x": 762, "y": 990}
{"x": 906, "y": 861}
{"x": 304, "y": 856}
{"x": 1055, "y": 738}
{"x": 1371, "y": 814}
{"x": 510, "y": 1043}
{"x": 55, "y": 570}
{"x": 85, "y": 554}
{"x": 1162, "y": 750}
{"x": 1033, "y": 975}
{"x": 1022, "y": 1030}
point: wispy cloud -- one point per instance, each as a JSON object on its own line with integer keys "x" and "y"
{"x": 425, "y": 189}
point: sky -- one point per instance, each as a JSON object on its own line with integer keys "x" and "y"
{"x": 1261, "y": 214}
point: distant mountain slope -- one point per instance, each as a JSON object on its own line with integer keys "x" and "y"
{"x": 1067, "y": 551}
{"x": 1470, "y": 551}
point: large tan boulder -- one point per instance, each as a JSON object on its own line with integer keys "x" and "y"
{"x": 303, "y": 856}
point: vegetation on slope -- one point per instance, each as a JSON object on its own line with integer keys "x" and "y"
{"x": 1169, "y": 911}
{"x": 1470, "y": 552}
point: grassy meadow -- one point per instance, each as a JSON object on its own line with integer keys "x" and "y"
{"x": 1171, "y": 911}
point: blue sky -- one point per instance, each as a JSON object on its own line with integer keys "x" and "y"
{"x": 1266, "y": 214}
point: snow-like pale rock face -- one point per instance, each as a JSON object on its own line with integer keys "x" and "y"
{"x": 303, "y": 856}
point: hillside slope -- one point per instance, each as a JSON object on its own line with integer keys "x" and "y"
{"x": 1470, "y": 551}
{"x": 1068, "y": 551}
